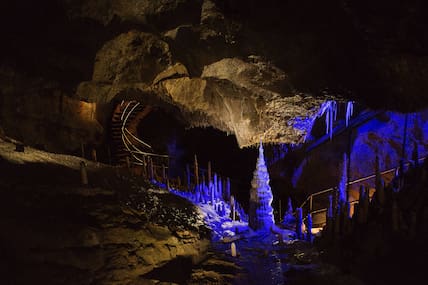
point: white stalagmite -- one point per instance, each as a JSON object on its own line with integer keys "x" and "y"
{"x": 261, "y": 212}
{"x": 233, "y": 249}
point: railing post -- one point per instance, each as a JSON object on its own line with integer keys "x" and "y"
{"x": 94, "y": 155}
{"x": 310, "y": 204}
{"x": 152, "y": 174}
{"x": 83, "y": 173}
{"x": 128, "y": 162}
{"x": 144, "y": 167}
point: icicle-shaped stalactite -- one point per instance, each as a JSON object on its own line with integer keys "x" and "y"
{"x": 261, "y": 212}
{"x": 329, "y": 108}
{"x": 343, "y": 181}
{"x": 332, "y": 111}
{"x": 349, "y": 111}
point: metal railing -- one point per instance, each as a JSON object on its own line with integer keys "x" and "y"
{"x": 310, "y": 199}
{"x": 134, "y": 145}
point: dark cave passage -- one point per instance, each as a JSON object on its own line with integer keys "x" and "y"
{"x": 167, "y": 135}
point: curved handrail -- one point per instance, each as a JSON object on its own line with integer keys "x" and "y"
{"x": 126, "y": 108}
{"x": 129, "y": 145}
{"x": 137, "y": 139}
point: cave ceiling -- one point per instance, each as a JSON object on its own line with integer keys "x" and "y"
{"x": 251, "y": 68}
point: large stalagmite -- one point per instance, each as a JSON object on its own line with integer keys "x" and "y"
{"x": 261, "y": 212}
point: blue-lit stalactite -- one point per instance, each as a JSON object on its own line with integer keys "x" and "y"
{"x": 349, "y": 112}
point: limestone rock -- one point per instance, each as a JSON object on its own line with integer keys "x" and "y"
{"x": 130, "y": 58}
{"x": 176, "y": 70}
{"x": 237, "y": 106}
{"x": 58, "y": 232}
{"x": 257, "y": 74}
{"x": 210, "y": 14}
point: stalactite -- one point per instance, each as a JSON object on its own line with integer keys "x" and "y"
{"x": 329, "y": 108}
{"x": 349, "y": 111}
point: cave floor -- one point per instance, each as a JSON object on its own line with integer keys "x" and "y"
{"x": 263, "y": 257}
{"x": 44, "y": 206}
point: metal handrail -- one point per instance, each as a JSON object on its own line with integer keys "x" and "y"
{"x": 129, "y": 145}
{"x": 137, "y": 139}
{"x": 130, "y": 112}
{"x": 311, "y": 196}
{"x": 149, "y": 153}
{"x": 137, "y": 151}
{"x": 126, "y": 108}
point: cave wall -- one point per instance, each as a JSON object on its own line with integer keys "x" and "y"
{"x": 383, "y": 136}
{"x": 286, "y": 56}
{"x": 37, "y": 113}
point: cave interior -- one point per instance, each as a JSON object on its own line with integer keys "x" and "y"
{"x": 213, "y": 142}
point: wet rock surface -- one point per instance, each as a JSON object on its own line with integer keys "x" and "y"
{"x": 262, "y": 260}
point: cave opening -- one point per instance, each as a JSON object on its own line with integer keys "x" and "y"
{"x": 167, "y": 135}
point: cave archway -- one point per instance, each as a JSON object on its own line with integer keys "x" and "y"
{"x": 168, "y": 135}
{"x": 166, "y": 130}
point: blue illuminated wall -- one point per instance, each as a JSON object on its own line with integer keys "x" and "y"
{"x": 382, "y": 135}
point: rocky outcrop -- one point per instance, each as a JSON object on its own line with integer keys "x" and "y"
{"x": 112, "y": 232}
{"x": 250, "y": 99}
{"x": 249, "y": 116}
{"x": 245, "y": 49}
{"x": 132, "y": 57}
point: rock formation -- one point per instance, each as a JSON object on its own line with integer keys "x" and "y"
{"x": 112, "y": 231}
{"x": 243, "y": 67}
{"x": 261, "y": 212}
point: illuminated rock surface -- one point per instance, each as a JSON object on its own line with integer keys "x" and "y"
{"x": 112, "y": 232}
